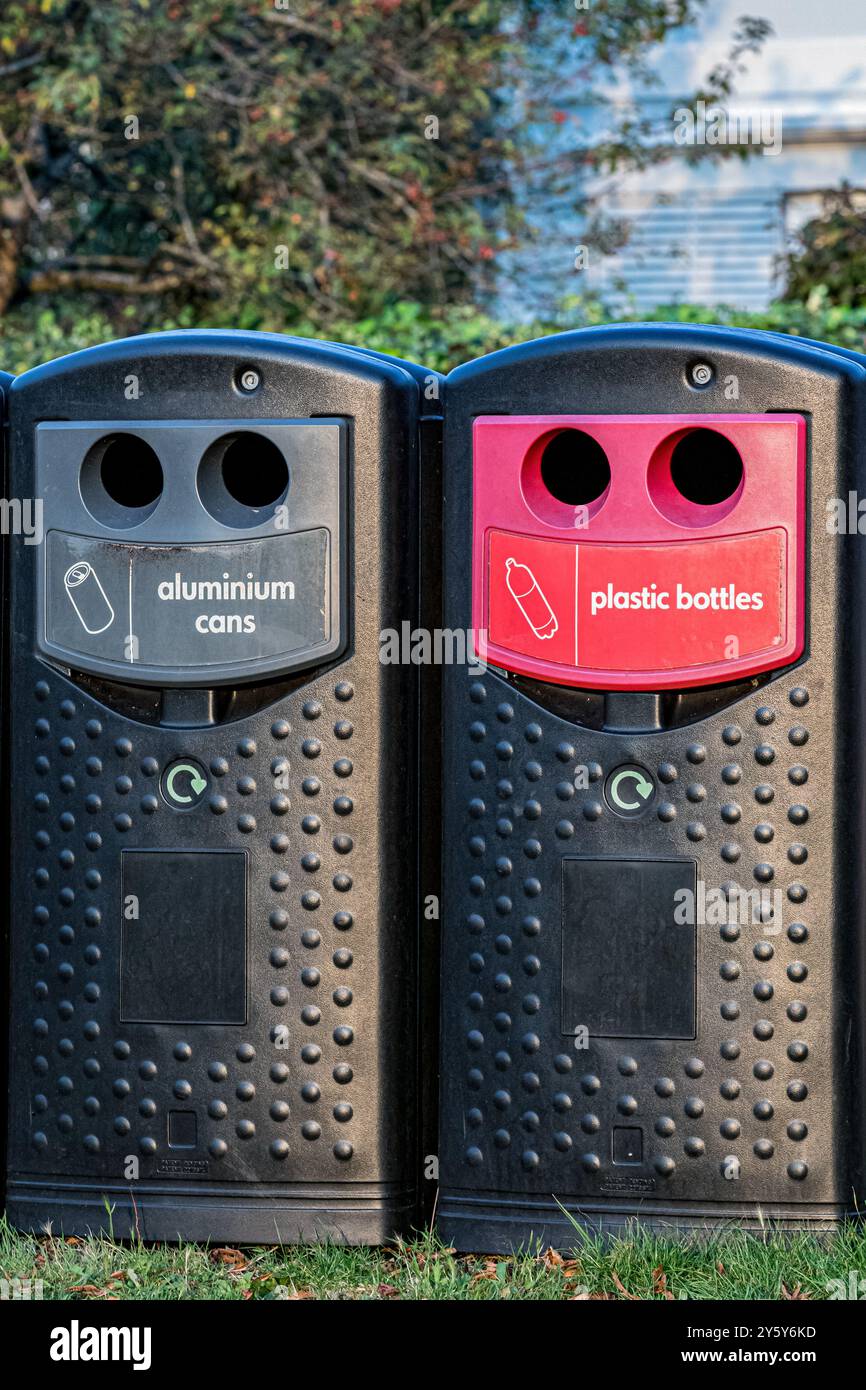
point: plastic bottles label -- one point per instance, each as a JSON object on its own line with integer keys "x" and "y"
{"x": 636, "y": 608}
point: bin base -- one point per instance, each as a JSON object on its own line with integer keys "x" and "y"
{"x": 505, "y": 1224}
{"x": 344, "y": 1214}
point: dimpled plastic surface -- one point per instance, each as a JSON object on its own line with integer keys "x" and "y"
{"x": 303, "y": 1117}
{"x": 759, "y": 1115}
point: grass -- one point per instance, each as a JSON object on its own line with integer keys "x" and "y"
{"x": 641, "y": 1266}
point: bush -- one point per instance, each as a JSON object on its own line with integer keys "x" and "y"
{"x": 298, "y": 164}
{"x": 830, "y": 260}
{"x": 439, "y": 340}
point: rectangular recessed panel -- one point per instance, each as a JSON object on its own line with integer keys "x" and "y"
{"x": 628, "y": 964}
{"x": 183, "y": 945}
{"x": 182, "y": 1129}
{"x": 627, "y": 1144}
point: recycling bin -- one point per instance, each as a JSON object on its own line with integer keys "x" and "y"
{"x": 653, "y": 808}
{"x": 213, "y": 892}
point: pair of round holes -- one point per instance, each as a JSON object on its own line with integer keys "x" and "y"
{"x": 702, "y": 469}
{"x": 242, "y": 477}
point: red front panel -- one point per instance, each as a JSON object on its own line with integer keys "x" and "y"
{"x": 641, "y": 608}
{"x": 634, "y": 597}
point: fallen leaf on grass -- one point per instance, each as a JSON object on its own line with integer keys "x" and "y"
{"x": 421, "y": 1257}
{"x": 660, "y": 1283}
{"x": 569, "y": 1269}
{"x": 795, "y": 1294}
{"x": 635, "y": 1298}
{"x": 226, "y": 1255}
{"x": 388, "y": 1291}
{"x": 494, "y": 1270}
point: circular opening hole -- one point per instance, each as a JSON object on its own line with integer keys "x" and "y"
{"x": 242, "y": 479}
{"x": 706, "y": 468}
{"x": 574, "y": 468}
{"x": 254, "y": 471}
{"x": 121, "y": 480}
{"x": 130, "y": 471}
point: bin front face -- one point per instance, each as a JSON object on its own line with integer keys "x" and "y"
{"x": 652, "y": 916}
{"x": 212, "y": 778}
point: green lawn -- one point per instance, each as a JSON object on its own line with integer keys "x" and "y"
{"x": 732, "y": 1266}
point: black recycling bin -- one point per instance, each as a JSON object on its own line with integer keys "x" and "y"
{"x": 22, "y": 520}
{"x": 213, "y": 895}
{"x": 653, "y": 807}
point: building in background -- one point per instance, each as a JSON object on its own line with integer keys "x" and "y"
{"x": 710, "y": 231}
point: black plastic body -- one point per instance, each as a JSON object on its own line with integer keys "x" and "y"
{"x": 537, "y": 1138}
{"x": 318, "y": 1137}
{"x": 5, "y": 382}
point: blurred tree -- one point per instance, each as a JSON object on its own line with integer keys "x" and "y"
{"x": 270, "y": 163}
{"x": 829, "y": 262}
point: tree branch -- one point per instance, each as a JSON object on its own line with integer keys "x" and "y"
{"x": 100, "y": 282}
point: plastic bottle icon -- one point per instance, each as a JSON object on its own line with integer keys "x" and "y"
{"x": 88, "y": 597}
{"x": 530, "y": 599}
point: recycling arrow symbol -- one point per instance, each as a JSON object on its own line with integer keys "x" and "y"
{"x": 629, "y": 790}
{"x": 175, "y": 779}
{"x": 642, "y": 787}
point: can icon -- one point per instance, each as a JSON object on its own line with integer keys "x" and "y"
{"x": 88, "y": 598}
{"x": 530, "y": 599}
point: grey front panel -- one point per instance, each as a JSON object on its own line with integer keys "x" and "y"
{"x": 190, "y": 594}
{"x": 183, "y": 608}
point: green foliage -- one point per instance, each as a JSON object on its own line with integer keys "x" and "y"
{"x": 260, "y": 164}
{"x": 816, "y": 318}
{"x": 294, "y": 164}
{"x": 252, "y": 160}
{"x": 406, "y": 329}
{"x": 829, "y": 265}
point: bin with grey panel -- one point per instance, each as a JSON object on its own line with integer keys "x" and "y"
{"x": 214, "y": 879}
